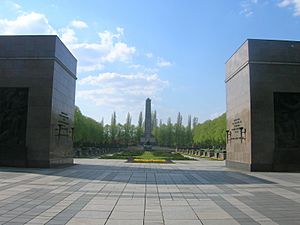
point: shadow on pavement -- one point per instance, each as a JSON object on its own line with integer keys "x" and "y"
{"x": 140, "y": 175}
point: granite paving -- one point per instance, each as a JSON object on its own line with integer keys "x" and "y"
{"x": 113, "y": 192}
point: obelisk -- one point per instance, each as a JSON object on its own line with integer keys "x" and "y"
{"x": 148, "y": 140}
{"x": 148, "y": 127}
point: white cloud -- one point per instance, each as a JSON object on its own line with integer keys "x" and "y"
{"x": 149, "y": 55}
{"x": 28, "y": 23}
{"x": 246, "y": 12}
{"x": 135, "y": 66}
{"x": 78, "y": 24}
{"x": 11, "y": 7}
{"x": 91, "y": 56}
{"x": 291, "y": 3}
{"x": 68, "y": 36}
{"x": 124, "y": 90}
{"x": 285, "y": 3}
{"x": 120, "y": 30}
{"x": 163, "y": 63}
{"x": 115, "y": 88}
{"x": 109, "y": 49}
{"x": 247, "y": 7}
{"x": 119, "y": 52}
{"x": 16, "y": 6}
{"x": 90, "y": 68}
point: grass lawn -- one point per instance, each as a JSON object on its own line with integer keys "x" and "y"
{"x": 123, "y": 154}
{"x": 146, "y": 155}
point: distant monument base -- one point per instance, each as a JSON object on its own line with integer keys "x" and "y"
{"x": 147, "y": 147}
{"x": 148, "y": 142}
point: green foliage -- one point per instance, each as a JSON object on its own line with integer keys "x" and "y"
{"x": 148, "y": 155}
{"x": 89, "y": 132}
{"x": 139, "y": 128}
{"x": 113, "y": 128}
{"x": 189, "y": 132}
{"x": 179, "y": 131}
{"x": 128, "y": 130}
{"x": 211, "y": 132}
{"x": 169, "y": 155}
{"x": 175, "y": 135}
{"x": 123, "y": 154}
{"x": 159, "y": 154}
{"x": 140, "y": 154}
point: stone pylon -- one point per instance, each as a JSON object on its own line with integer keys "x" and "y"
{"x": 148, "y": 139}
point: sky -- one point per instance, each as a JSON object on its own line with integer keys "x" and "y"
{"x": 171, "y": 51}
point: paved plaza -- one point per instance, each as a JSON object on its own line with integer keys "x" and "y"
{"x": 113, "y": 192}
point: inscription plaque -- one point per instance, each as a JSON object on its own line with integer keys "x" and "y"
{"x": 237, "y": 132}
{"x": 63, "y": 128}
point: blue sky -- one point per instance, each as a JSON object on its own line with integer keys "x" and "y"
{"x": 172, "y": 51}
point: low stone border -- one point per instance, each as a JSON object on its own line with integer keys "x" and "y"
{"x": 200, "y": 153}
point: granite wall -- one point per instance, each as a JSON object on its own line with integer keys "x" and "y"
{"x": 44, "y": 66}
{"x": 261, "y": 77}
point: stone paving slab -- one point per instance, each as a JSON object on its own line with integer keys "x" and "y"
{"x": 112, "y": 192}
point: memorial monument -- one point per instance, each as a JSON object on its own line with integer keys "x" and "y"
{"x": 263, "y": 106}
{"x": 37, "y": 97}
{"x": 148, "y": 140}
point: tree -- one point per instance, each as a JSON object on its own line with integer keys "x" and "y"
{"x": 211, "y": 132}
{"x": 139, "y": 130}
{"x": 87, "y": 131}
{"x": 113, "y": 128}
{"x": 189, "y": 133}
{"x": 154, "y": 125}
{"x": 160, "y": 134}
{"x": 127, "y": 129}
{"x": 120, "y": 137}
{"x": 195, "y": 122}
{"x": 178, "y": 131}
{"x": 154, "y": 119}
{"x": 169, "y": 133}
{"x": 107, "y": 139}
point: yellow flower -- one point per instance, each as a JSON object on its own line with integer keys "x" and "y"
{"x": 149, "y": 160}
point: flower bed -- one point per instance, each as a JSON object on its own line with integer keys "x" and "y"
{"x": 136, "y": 160}
{"x": 149, "y": 160}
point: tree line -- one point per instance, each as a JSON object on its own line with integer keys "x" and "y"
{"x": 89, "y": 132}
{"x": 211, "y": 133}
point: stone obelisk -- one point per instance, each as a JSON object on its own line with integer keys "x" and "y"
{"x": 148, "y": 140}
{"x": 148, "y": 127}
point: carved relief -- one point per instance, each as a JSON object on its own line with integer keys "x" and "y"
{"x": 13, "y": 117}
{"x": 287, "y": 120}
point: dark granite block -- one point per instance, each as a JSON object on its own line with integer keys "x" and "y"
{"x": 40, "y": 69}
{"x": 262, "y": 85}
